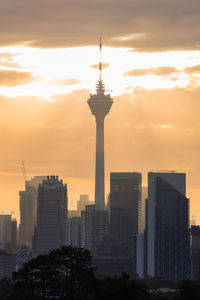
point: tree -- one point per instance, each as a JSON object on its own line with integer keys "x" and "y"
{"x": 5, "y": 288}
{"x": 121, "y": 289}
{"x": 64, "y": 273}
{"x": 76, "y": 275}
{"x": 188, "y": 290}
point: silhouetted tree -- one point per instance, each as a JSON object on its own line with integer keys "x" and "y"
{"x": 64, "y": 273}
{"x": 121, "y": 289}
{"x": 5, "y": 288}
{"x": 76, "y": 275}
{"x": 188, "y": 290}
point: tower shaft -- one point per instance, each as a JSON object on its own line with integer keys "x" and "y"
{"x": 99, "y": 171}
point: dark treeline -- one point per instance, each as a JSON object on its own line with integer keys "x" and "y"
{"x": 67, "y": 273}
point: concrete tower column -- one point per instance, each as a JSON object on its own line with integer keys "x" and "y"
{"x": 99, "y": 171}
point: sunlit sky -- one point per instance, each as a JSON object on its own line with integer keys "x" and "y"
{"x": 48, "y": 67}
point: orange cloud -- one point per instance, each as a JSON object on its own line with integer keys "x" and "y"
{"x": 192, "y": 70}
{"x": 161, "y": 71}
{"x": 13, "y": 78}
{"x": 64, "y": 81}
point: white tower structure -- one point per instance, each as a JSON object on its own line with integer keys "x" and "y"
{"x": 100, "y": 104}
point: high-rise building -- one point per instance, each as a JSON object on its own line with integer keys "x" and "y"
{"x": 81, "y": 204}
{"x": 100, "y": 104}
{"x": 195, "y": 252}
{"x": 5, "y": 231}
{"x": 28, "y": 210}
{"x": 11, "y": 246}
{"x": 73, "y": 232}
{"x": 94, "y": 227}
{"x": 51, "y": 215}
{"x": 7, "y": 264}
{"x": 125, "y": 206}
{"x": 168, "y": 239}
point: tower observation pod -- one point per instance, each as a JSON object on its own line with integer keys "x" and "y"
{"x": 100, "y": 104}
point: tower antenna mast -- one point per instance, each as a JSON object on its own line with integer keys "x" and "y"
{"x": 100, "y": 57}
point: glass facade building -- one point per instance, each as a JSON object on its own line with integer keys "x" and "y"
{"x": 172, "y": 239}
{"x": 167, "y": 235}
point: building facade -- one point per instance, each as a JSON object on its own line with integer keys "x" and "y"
{"x": 28, "y": 210}
{"x": 8, "y": 233}
{"x": 94, "y": 227}
{"x": 125, "y": 206}
{"x": 7, "y": 264}
{"x": 82, "y": 202}
{"x": 168, "y": 238}
{"x": 195, "y": 252}
{"x": 73, "y": 232}
{"x": 50, "y": 232}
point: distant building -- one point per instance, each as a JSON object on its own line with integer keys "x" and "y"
{"x": 168, "y": 239}
{"x": 11, "y": 247}
{"x": 28, "y": 210}
{"x": 73, "y": 232}
{"x": 195, "y": 252}
{"x": 23, "y": 256}
{"x": 144, "y": 197}
{"x": 72, "y": 214}
{"x": 112, "y": 266}
{"x": 52, "y": 205}
{"x": 125, "y": 206}
{"x": 94, "y": 227}
{"x": 81, "y": 204}
{"x": 110, "y": 248}
{"x": 7, "y": 264}
{"x": 8, "y": 233}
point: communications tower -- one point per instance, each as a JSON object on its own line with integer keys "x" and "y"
{"x": 100, "y": 104}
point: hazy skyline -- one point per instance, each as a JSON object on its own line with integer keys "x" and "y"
{"x": 48, "y": 57}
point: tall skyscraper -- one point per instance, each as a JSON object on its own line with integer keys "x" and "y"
{"x": 28, "y": 210}
{"x": 51, "y": 215}
{"x": 168, "y": 239}
{"x": 100, "y": 104}
{"x": 125, "y": 206}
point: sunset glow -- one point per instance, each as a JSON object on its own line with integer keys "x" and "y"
{"x": 49, "y": 66}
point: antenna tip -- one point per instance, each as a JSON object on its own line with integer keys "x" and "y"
{"x": 100, "y": 43}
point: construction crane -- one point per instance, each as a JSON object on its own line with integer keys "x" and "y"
{"x": 24, "y": 173}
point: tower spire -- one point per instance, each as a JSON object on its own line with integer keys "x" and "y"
{"x": 100, "y": 63}
{"x": 100, "y": 86}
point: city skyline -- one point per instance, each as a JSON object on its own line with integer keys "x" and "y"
{"x": 48, "y": 71}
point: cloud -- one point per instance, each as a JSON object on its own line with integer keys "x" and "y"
{"x": 104, "y": 66}
{"x": 153, "y": 26}
{"x": 192, "y": 70}
{"x": 11, "y": 78}
{"x": 161, "y": 71}
{"x": 64, "y": 81}
{"x": 6, "y": 60}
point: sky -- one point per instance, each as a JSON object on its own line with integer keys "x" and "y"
{"x": 49, "y": 66}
